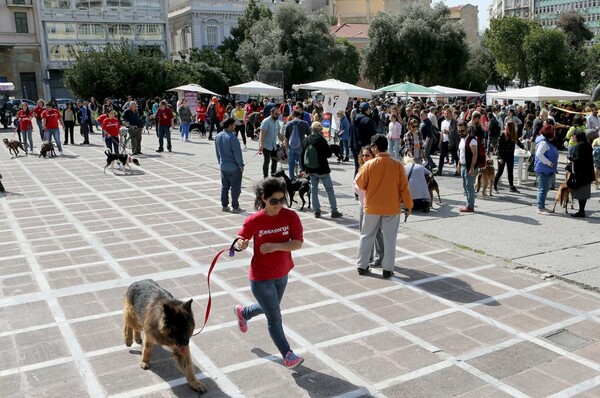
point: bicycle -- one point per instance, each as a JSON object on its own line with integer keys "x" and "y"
{"x": 124, "y": 140}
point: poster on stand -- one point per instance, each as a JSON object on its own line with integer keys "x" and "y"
{"x": 326, "y": 123}
{"x": 331, "y": 104}
{"x": 192, "y": 100}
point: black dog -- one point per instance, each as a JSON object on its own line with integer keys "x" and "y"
{"x": 123, "y": 159}
{"x": 300, "y": 185}
{"x": 335, "y": 150}
{"x": 1, "y": 186}
{"x": 13, "y": 146}
{"x": 199, "y": 127}
{"x": 46, "y": 148}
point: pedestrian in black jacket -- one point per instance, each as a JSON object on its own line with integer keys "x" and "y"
{"x": 583, "y": 168}
{"x": 320, "y": 173}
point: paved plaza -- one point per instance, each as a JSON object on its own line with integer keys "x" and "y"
{"x": 467, "y": 313}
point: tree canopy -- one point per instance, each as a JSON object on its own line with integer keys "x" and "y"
{"x": 420, "y": 44}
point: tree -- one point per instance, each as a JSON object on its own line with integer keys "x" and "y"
{"x": 505, "y": 38}
{"x": 480, "y": 70}
{"x": 120, "y": 69}
{"x": 347, "y": 69}
{"x": 576, "y": 32}
{"x": 546, "y": 56}
{"x": 420, "y": 44}
{"x": 297, "y": 43}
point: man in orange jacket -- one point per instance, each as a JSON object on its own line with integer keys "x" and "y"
{"x": 386, "y": 185}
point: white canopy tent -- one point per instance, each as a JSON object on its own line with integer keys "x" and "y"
{"x": 196, "y": 88}
{"x": 256, "y": 88}
{"x": 337, "y": 94}
{"x": 539, "y": 93}
{"x": 7, "y": 86}
{"x": 336, "y": 86}
{"x": 452, "y": 92}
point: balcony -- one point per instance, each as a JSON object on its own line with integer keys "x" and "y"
{"x": 19, "y": 3}
{"x": 11, "y": 39}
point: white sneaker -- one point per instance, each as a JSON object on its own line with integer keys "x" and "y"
{"x": 543, "y": 212}
{"x": 59, "y": 153}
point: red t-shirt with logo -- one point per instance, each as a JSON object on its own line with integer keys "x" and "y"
{"x": 261, "y": 227}
{"x": 37, "y": 111}
{"x": 24, "y": 125}
{"x": 111, "y": 126}
{"x": 51, "y": 117}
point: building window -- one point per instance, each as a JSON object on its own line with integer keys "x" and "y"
{"x": 90, "y": 31}
{"x": 119, "y": 4}
{"x": 57, "y": 4}
{"x": 60, "y": 31}
{"x": 88, "y": 4}
{"x": 118, "y": 31}
{"x": 148, "y": 5}
{"x": 150, "y": 32}
{"x": 21, "y": 22}
{"x": 212, "y": 39}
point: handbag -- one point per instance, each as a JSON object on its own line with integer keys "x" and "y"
{"x": 573, "y": 183}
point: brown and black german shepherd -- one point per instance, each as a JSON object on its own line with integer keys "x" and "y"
{"x": 164, "y": 320}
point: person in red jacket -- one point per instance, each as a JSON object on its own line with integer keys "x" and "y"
{"x": 25, "y": 115}
{"x": 201, "y": 117}
{"x": 37, "y": 112}
{"x": 110, "y": 131}
{"x": 164, "y": 118}
{"x": 51, "y": 119}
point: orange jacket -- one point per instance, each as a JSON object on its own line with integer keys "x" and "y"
{"x": 386, "y": 185}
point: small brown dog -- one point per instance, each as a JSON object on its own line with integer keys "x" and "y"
{"x": 562, "y": 194}
{"x": 485, "y": 178}
{"x": 13, "y": 146}
{"x": 47, "y": 148}
{"x": 433, "y": 186}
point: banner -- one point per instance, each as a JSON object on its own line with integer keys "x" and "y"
{"x": 331, "y": 104}
{"x": 192, "y": 100}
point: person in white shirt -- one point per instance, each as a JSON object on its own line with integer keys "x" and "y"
{"x": 445, "y": 139}
{"x": 394, "y": 136}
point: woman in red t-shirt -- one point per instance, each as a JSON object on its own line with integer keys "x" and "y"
{"x": 110, "y": 131}
{"x": 276, "y": 231}
{"x": 37, "y": 112}
{"x": 201, "y": 118}
{"x": 25, "y": 115}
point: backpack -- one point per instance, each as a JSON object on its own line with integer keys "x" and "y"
{"x": 295, "y": 141}
{"x": 481, "y": 156}
{"x": 311, "y": 157}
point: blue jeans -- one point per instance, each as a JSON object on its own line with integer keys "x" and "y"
{"x": 56, "y": 134}
{"x": 469, "y": 185}
{"x": 394, "y": 148}
{"x": 112, "y": 143}
{"x": 268, "y": 294}
{"x": 231, "y": 180}
{"x": 184, "y": 128}
{"x": 314, "y": 188}
{"x": 293, "y": 157}
{"x": 164, "y": 132}
{"x": 544, "y": 180}
{"x": 345, "y": 148}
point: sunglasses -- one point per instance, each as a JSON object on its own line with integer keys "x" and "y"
{"x": 275, "y": 201}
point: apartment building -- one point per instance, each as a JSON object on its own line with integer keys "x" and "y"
{"x": 20, "y": 61}
{"x": 547, "y": 12}
{"x": 79, "y": 23}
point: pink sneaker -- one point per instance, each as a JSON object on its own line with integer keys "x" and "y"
{"x": 292, "y": 360}
{"x": 242, "y": 323}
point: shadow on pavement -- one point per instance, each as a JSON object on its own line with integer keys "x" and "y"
{"x": 162, "y": 365}
{"x": 446, "y": 287}
{"x": 315, "y": 383}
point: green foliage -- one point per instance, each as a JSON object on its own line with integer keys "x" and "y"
{"x": 222, "y": 58}
{"x": 546, "y": 56}
{"x": 298, "y": 43}
{"x": 480, "y": 70}
{"x": 117, "y": 70}
{"x": 505, "y": 38}
{"x": 347, "y": 68}
{"x": 420, "y": 44}
{"x": 592, "y": 72}
{"x": 573, "y": 24}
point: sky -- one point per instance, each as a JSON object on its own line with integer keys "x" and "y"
{"x": 481, "y": 4}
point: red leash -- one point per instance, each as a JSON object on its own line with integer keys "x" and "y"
{"x": 232, "y": 249}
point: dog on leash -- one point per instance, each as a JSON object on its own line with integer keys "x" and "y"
{"x": 485, "y": 178}
{"x": 14, "y": 146}
{"x": 336, "y": 150}
{"x": 562, "y": 194}
{"x": 300, "y": 185}
{"x": 122, "y": 159}
{"x": 164, "y": 320}
{"x": 47, "y": 148}
{"x": 433, "y": 186}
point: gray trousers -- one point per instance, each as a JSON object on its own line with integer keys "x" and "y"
{"x": 370, "y": 225}
{"x": 377, "y": 256}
